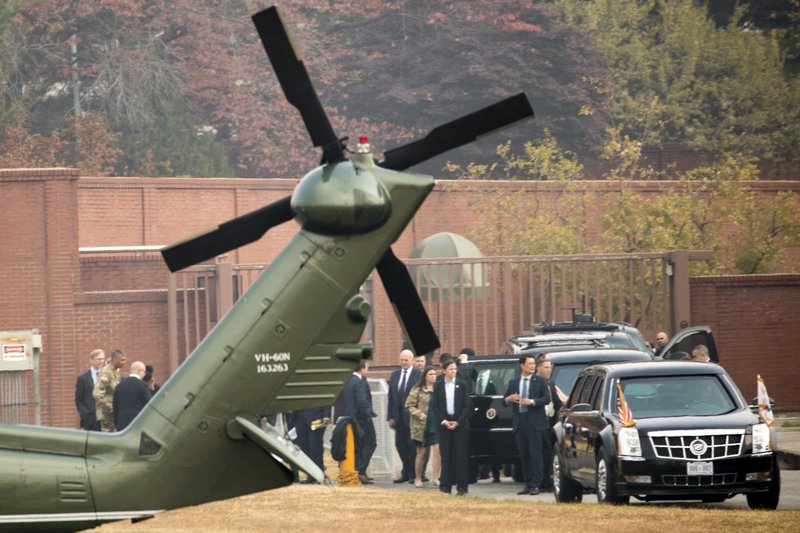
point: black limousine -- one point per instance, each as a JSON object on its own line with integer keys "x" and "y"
{"x": 689, "y": 435}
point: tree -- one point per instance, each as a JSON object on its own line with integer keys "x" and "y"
{"x": 679, "y": 77}
{"x": 116, "y": 56}
{"x": 710, "y": 209}
{"x": 389, "y": 70}
{"x": 84, "y": 143}
{"x": 7, "y": 11}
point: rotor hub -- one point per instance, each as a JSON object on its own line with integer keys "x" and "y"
{"x": 342, "y": 199}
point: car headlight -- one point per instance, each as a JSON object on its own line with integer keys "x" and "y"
{"x": 762, "y": 443}
{"x": 628, "y": 444}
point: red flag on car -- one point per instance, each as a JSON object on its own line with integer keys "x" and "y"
{"x": 624, "y": 412}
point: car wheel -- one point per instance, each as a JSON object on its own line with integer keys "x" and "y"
{"x": 768, "y": 499}
{"x": 565, "y": 489}
{"x": 606, "y": 481}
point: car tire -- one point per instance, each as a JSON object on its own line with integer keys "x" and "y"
{"x": 769, "y": 499}
{"x": 565, "y": 489}
{"x": 605, "y": 477}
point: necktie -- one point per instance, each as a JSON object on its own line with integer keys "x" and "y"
{"x": 524, "y": 394}
{"x": 479, "y": 385}
{"x": 403, "y": 383}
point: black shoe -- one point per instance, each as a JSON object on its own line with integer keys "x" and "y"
{"x": 534, "y": 492}
{"x": 446, "y": 490}
{"x": 370, "y": 478}
{"x": 526, "y": 490}
{"x": 461, "y": 493}
{"x": 401, "y": 479}
{"x": 425, "y": 479}
{"x": 364, "y": 480}
{"x": 496, "y": 480}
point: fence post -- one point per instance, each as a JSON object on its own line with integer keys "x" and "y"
{"x": 172, "y": 323}
{"x": 679, "y": 288}
{"x": 224, "y": 284}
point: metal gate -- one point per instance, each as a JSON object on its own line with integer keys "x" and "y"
{"x": 472, "y": 302}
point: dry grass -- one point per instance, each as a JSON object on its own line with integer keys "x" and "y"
{"x": 314, "y": 508}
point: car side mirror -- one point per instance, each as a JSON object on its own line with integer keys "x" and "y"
{"x": 581, "y": 408}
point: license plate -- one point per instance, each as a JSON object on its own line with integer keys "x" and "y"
{"x": 699, "y": 469}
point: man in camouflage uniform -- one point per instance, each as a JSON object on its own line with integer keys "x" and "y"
{"x": 103, "y": 392}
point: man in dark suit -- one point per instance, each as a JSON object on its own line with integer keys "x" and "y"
{"x": 543, "y": 370}
{"x": 400, "y": 383}
{"x": 355, "y": 401}
{"x": 528, "y": 396}
{"x": 130, "y": 396}
{"x": 451, "y": 409}
{"x": 84, "y": 400}
{"x": 464, "y": 366}
{"x": 310, "y": 426}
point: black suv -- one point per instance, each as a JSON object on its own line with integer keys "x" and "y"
{"x": 582, "y": 331}
{"x": 491, "y": 437}
{"x": 693, "y": 437}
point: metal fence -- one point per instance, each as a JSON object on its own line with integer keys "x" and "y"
{"x": 482, "y": 302}
{"x": 471, "y": 302}
{"x": 19, "y": 403}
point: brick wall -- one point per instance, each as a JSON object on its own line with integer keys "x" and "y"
{"x": 755, "y": 320}
{"x": 39, "y": 274}
{"x": 82, "y": 304}
{"x": 135, "y": 321}
{"x": 157, "y": 211}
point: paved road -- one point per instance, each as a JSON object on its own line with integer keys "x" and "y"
{"x": 506, "y": 490}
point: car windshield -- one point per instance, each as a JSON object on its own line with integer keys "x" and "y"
{"x": 564, "y": 376}
{"x": 676, "y": 396}
{"x": 620, "y": 340}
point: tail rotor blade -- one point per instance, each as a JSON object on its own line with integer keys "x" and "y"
{"x": 459, "y": 132}
{"x": 403, "y": 295}
{"x": 296, "y": 83}
{"x": 227, "y": 236}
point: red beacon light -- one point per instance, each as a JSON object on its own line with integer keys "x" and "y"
{"x": 363, "y": 145}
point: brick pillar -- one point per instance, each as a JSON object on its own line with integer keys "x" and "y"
{"x": 39, "y": 276}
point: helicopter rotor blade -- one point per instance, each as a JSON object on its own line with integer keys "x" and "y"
{"x": 407, "y": 304}
{"x": 459, "y": 132}
{"x": 296, "y": 83}
{"x": 227, "y": 236}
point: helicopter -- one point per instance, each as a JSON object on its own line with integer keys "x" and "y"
{"x": 290, "y": 342}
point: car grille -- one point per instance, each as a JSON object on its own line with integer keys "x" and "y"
{"x": 685, "y": 445}
{"x": 698, "y": 481}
